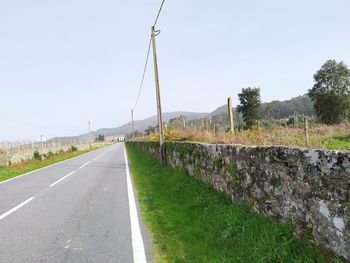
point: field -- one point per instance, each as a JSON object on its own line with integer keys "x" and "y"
{"x": 191, "y": 222}
{"x": 336, "y": 137}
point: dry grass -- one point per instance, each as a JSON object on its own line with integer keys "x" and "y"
{"x": 320, "y": 136}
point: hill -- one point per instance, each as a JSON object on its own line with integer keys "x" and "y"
{"x": 140, "y": 125}
{"x": 274, "y": 109}
{"x": 279, "y": 109}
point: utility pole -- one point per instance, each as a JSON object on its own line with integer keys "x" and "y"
{"x": 159, "y": 106}
{"x": 230, "y": 115}
{"x": 89, "y": 134}
{"x": 132, "y": 123}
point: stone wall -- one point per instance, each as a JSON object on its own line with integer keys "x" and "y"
{"x": 20, "y": 153}
{"x": 311, "y": 187}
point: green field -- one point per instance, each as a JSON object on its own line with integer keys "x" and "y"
{"x": 28, "y": 166}
{"x": 191, "y": 222}
{"x": 339, "y": 142}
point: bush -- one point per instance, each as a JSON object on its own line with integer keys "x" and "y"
{"x": 37, "y": 155}
{"x": 73, "y": 148}
{"x": 50, "y": 154}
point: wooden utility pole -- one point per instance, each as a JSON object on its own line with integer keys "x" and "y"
{"x": 132, "y": 123}
{"x": 230, "y": 115}
{"x": 159, "y": 105}
{"x": 306, "y": 130}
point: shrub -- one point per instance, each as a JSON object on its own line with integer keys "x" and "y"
{"x": 37, "y": 155}
{"x": 73, "y": 148}
{"x": 50, "y": 154}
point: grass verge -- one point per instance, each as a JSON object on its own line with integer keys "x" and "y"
{"x": 8, "y": 172}
{"x": 191, "y": 222}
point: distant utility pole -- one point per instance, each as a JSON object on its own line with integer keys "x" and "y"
{"x": 89, "y": 134}
{"x": 230, "y": 115}
{"x": 159, "y": 105}
{"x": 132, "y": 123}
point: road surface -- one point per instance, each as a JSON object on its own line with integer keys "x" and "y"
{"x": 79, "y": 210}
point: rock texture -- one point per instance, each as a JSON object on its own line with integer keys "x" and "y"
{"x": 310, "y": 187}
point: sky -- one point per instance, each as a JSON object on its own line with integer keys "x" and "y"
{"x": 65, "y": 62}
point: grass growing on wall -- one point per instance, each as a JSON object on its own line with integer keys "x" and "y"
{"x": 28, "y": 166}
{"x": 191, "y": 222}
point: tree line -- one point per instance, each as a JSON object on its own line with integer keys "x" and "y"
{"x": 330, "y": 95}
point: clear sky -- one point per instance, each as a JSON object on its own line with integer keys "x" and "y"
{"x": 64, "y": 62}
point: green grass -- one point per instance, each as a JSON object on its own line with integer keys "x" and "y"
{"x": 339, "y": 142}
{"x": 191, "y": 222}
{"x": 28, "y": 166}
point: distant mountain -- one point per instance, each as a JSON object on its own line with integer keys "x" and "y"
{"x": 274, "y": 109}
{"x": 279, "y": 109}
{"x": 140, "y": 125}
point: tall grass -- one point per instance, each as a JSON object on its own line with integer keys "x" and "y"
{"x": 320, "y": 136}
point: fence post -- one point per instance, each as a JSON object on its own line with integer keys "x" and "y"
{"x": 230, "y": 115}
{"x": 306, "y": 130}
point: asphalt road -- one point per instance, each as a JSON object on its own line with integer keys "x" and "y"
{"x": 80, "y": 210}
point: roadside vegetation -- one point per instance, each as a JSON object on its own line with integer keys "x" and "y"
{"x": 39, "y": 161}
{"x": 321, "y": 136}
{"x": 192, "y": 222}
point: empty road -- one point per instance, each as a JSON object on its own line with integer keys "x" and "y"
{"x": 79, "y": 210}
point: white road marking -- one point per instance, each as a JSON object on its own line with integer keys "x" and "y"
{"x": 60, "y": 180}
{"x": 84, "y": 164}
{"x": 136, "y": 236}
{"x": 98, "y": 156}
{"x": 15, "y": 208}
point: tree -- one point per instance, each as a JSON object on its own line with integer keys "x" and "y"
{"x": 331, "y": 92}
{"x": 250, "y": 105}
{"x": 100, "y": 138}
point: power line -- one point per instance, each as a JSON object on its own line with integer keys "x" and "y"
{"x": 144, "y": 73}
{"x": 160, "y": 10}
{"x": 147, "y": 57}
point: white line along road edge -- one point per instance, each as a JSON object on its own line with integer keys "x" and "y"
{"x": 15, "y": 208}
{"x": 136, "y": 236}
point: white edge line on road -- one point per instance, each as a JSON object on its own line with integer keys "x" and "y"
{"x": 60, "y": 180}
{"x": 16, "y": 208}
{"x": 19, "y": 176}
{"x": 84, "y": 164}
{"x": 136, "y": 236}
